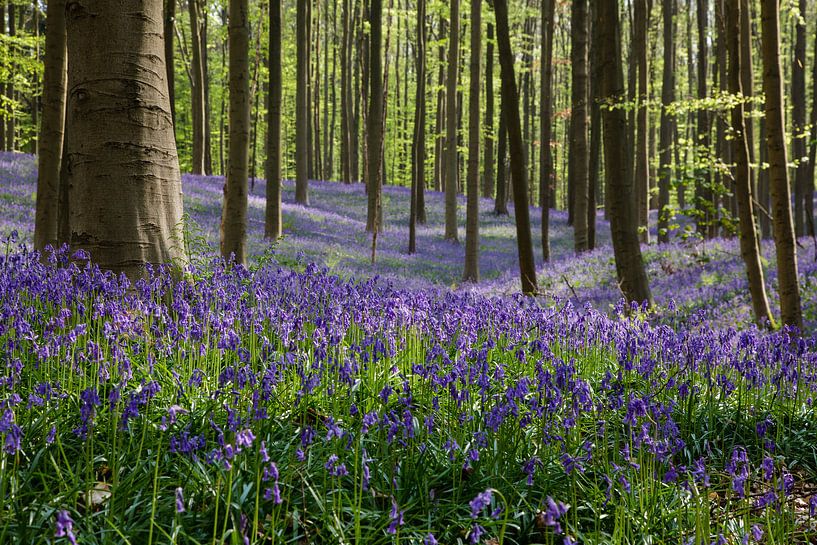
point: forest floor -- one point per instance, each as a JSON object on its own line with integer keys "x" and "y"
{"x": 704, "y": 281}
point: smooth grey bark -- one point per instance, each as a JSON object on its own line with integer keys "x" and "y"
{"x": 642, "y": 161}
{"x": 546, "y": 167}
{"x": 169, "y": 23}
{"x": 302, "y": 108}
{"x": 451, "y": 153}
{"x": 273, "y": 224}
{"x": 374, "y": 120}
{"x": 418, "y": 144}
{"x": 197, "y": 87}
{"x": 488, "y": 175}
{"x": 798, "y": 118}
{"x": 667, "y": 129}
{"x": 471, "y": 272}
{"x": 579, "y": 156}
{"x": 121, "y": 165}
{"x": 52, "y": 131}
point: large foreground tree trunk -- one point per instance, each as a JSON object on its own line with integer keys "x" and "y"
{"x": 667, "y": 121}
{"x": 782, "y": 225}
{"x": 749, "y": 243}
{"x": 579, "y": 157}
{"x": 471, "y": 273}
{"x": 53, "y": 128}
{"x": 122, "y": 168}
{"x": 273, "y": 224}
{"x": 510, "y": 107}
{"x": 374, "y": 121}
{"x": 623, "y": 220}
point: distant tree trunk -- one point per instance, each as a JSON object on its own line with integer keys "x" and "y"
{"x": 122, "y": 169}
{"x": 763, "y": 189}
{"x": 471, "y": 273}
{"x": 749, "y": 243}
{"x": 703, "y": 178}
{"x": 579, "y": 157}
{"x": 205, "y": 72}
{"x": 595, "y": 129}
{"x": 10, "y": 91}
{"x": 488, "y": 175}
{"x": 3, "y": 87}
{"x": 546, "y": 174}
{"x": 812, "y": 148}
{"x": 273, "y": 224}
{"x": 723, "y": 150}
{"x": 346, "y": 113}
{"x": 53, "y": 128}
{"x": 782, "y": 225}
{"x": 642, "y": 162}
{"x": 747, "y": 85}
{"x": 302, "y": 109}
{"x": 452, "y": 157}
{"x": 632, "y": 277}
{"x": 439, "y": 140}
{"x": 667, "y": 121}
{"x": 501, "y": 193}
{"x": 798, "y": 118}
{"x": 374, "y": 120}
{"x": 510, "y": 105}
{"x": 196, "y": 87}
{"x": 418, "y": 147}
{"x": 234, "y": 212}
{"x": 169, "y": 22}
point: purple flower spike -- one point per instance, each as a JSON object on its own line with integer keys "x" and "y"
{"x": 480, "y": 502}
{"x": 65, "y": 526}
{"x": 179, "y": 500}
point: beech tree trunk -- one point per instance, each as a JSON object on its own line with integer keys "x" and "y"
{"x": 809, "y": 197}
{"x": 488, "y": 176}
{"x": 510, "y": 100}
{"x": 632, "y": 277}
{"x": 418, "y": 145}
{"x": 451, "y": 155}
{"x": 3, "y": 87}
{"x": 374, "y": 120}
{"x": 273, "y": 224}
{"x": 234, "y": 212}
{"x": 10, "y": 91}
{"x": 52, "y": 130}
{"x": 642, "y": 161}
{"x": 579, "y": 157}
{"x": 798, "y": 118}
{"x": 546, "y": 174}
{"x": 703, "y": 178}
{"x": 346, "y": 113}
{"x": 302, "y": 108}
{"x": 501, "y": 193}
{"x": 471, "y": 273}
{"x": 782, "y": 225}
{"x": 749, "y": 243}
{"x": 122, "y": 168}
{"x": 196, "y": 87}
{"x": 667, "y": 129}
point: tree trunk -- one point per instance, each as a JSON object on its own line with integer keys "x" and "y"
{"x": 418, "y": 147}
{"x": 546, "y": 173}
{"x": 273, "y": 225}
{"x": 809, "y": 197}
{"x": 439, "y": 138}
{"x": 205, "y": 72}
{"x": 196, "y": 88}
{"x": 374, "y": 120}
{"x": 749, "y": 243}
{"x": 703, "y": 178}
{"x": 510, "y": 101}
{"x": 302, "y": 109}
{"x": 346, "y": 112}
{"x": 122, "y": 169}
{"x": 3, "y": 87}
{"x": 488, "y": 175}
{"x": 782, "y": 225}
{"x": 595, "y": 130}
{"x": 798, "y": 118}
{"x": 234, "y": 212}
{"x": 451, "y": 155}
{"x": 169, "y": 23}
{"x": 667, "y": 129}
{"x": 52, "y": 130}
{"x": 642, "y": 162}
{"x": 501, "y": 193}
{"x": 471, "y": 272}
{"x": 579, "y": 157}
{"x": 632, "y": 277}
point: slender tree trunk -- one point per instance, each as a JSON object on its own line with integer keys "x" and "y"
{"x": 667, "y": 129}
{"x": 439, "y": 143}
{"x": 205, "y": 72}
{"x": 723, "y": 150}
{"x": 346, "y": 113}
{"x": 809, "y": 197}
{"x": 703, "y": 178}
{"x": 11, "y": 129}
{"x": 169, "y": 22}
{"x": 374, "y": 128}
{"x": 501, "y": 193}
{"x": 595, "y": 129}
{"x": 782, "y": 224}
{"x": 632, "y": 277}
{"x": 123, "y": 172}
{"x": 579, "y": 157}
{"x": 510, "y": 101}
{"x": 749, "y": 243}
{"x": 471, "y": 273}
{"x": 747, "y": 86}
{"x": 53, "y": 128}
{"x": 799, "y": 129}
{"x": 488, "y": 175}
{"x": 418, "y": 151}
{"x": 546, "y": 167}
{"x": 273, "y": 225}
{"x": 302, "y": 109}
{"x": 234, "y": 212}
{"x": 642, "y": 164}
{"x": 452, "y": 157}
{"x": 3, "y": 86}
{"x": 197, "y": 87}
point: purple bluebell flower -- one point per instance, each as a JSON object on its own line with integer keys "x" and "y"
{"x": 65, "y": 526}
{"x": 480, "y": 502}
{"x": 179, "y": 500}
